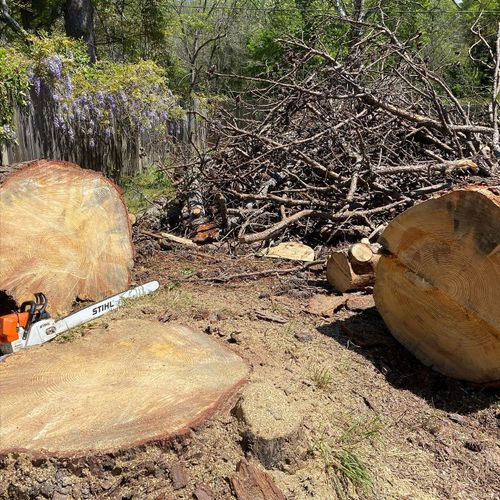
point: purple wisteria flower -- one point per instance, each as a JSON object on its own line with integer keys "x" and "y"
{"x": 37, "y": 85}
{"x": 110, "y": 101}
{"x": 69, "y": 85}
{"x": 54, "y": 65}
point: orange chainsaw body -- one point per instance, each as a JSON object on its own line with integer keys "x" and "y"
{"x": 9, "y": 325}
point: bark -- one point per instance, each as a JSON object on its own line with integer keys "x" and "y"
{"x": 250, "y": 483}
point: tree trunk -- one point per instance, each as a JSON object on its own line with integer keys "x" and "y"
{"x": 438, "y": 289}
{"x": 353, "y": 268}
{"x": 79, "y": 23}
{"x": 6, "y": 17}
{"x": 64, "y": 232}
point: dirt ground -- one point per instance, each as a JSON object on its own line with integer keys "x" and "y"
{"x": 377, "y": 423}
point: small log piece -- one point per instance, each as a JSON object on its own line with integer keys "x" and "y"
{"x": 352, "y": 269}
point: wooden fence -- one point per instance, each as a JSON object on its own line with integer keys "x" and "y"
{"x": 124, "y": 152}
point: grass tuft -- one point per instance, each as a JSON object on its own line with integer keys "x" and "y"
{"x": 322, "y": 378}
{"x": 343, "y": 463}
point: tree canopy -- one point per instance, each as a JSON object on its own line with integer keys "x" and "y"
{"x": 189, "y": 41}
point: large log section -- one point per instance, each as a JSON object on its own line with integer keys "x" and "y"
{"x": 64, "y": 231}
{"x": 439, "y": 288}
{"x": 113, "y": 389}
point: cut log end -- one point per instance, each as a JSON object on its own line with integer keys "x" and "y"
{"x": 115, "y": 389}
{"x": 361, "y": 252}
{"x": 438, "y": 289}
{"x": 352, "y": 269}
{"x": 65, "y": 232}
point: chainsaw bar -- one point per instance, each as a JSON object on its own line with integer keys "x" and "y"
{"x": 46, "y": 328}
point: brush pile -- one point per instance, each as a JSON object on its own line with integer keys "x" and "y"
{"x": 330, "y": 147}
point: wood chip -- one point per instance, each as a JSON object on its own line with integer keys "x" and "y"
{"x": 325, "y": 305}
{"x": 178, "y": 476}
{"x": 203, "y": 492}
{"x": 304, "y": 336}
{"x": 360, "y": 302}
{"x": 251, "y": 483}
{"x": 291, "y": 250}
{"x": 207, "y": 232}
{"x": 269, "y": 316}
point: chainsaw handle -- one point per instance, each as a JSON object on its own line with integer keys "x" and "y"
{"x": 36, "y": 311}
{"x": 31, "y": 314}
{"x": 41, "y": 301}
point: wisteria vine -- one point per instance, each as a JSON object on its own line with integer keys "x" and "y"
{"x": 98, "y": 100}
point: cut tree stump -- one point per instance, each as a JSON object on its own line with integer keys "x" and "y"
{"x": 273, "y": 428}
{"x": 439, "y": 288}
{"x": 64, "y": 231}
{"x": 353, "y": 268}
{"x": 113, "y": 389}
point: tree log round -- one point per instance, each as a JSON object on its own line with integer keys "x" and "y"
{"x": 361, "y": 252}
{"x": 352, "y": 269}
{"x": 438, "y": 290}
{"x": 64, "y": 232}
{"x": 114, "y": 389}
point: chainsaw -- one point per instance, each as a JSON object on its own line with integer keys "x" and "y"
{"x": 32, "y": 325}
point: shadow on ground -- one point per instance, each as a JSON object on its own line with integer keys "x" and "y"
{"x": 366, "y": 334}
